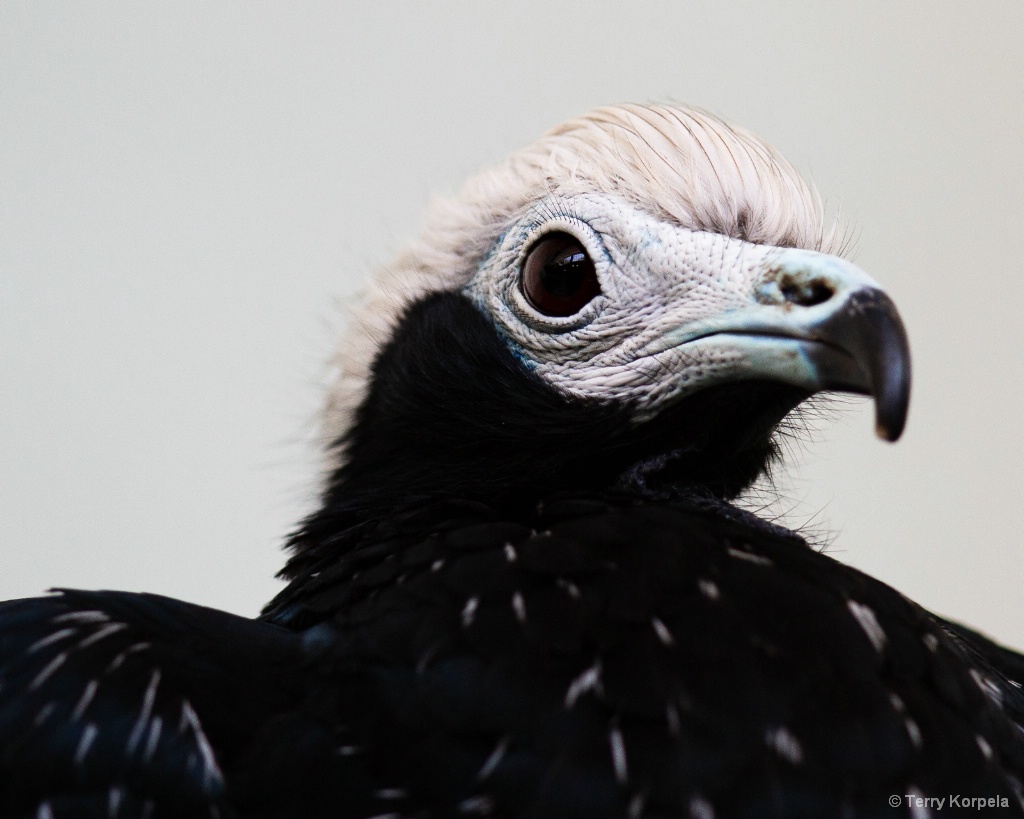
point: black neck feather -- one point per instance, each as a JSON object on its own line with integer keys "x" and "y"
{"x": 452, "y": 412}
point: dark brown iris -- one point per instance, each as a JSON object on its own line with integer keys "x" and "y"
{"x": 559, "y": 277}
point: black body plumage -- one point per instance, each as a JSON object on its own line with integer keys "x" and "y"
{"x": 515, "y": 604}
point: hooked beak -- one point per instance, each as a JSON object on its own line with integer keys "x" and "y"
{"x": 813, "y": 321}
{"x": 867, "y": 330}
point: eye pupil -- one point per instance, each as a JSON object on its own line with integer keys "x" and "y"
{"x": 559, "y": 278}
{"x": 563, "y": 275}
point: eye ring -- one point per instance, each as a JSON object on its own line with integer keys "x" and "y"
{"x": 558, "y": 276}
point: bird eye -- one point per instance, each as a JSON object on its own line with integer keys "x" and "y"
{"x": 559, "y": 277}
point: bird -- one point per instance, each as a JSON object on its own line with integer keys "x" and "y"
{"x": 528, "y": 589}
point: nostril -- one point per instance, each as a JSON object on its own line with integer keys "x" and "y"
{"x": 806, "y": 292}
{"x": 796, "y": 287}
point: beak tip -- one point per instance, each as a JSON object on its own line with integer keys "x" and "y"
{"x": 887, "y": 433}
{"x": 890, "y": 420}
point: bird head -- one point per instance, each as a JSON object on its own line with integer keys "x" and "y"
{"x": 635, "y": 301}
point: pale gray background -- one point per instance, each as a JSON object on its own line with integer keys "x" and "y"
{"x": 187, "y": 192}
